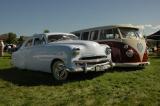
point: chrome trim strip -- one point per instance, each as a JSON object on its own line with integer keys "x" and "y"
{"x": 91, "y": 61}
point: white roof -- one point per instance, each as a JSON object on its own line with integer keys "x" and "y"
{"x": 58, "y": 33}
{"x": 108, "y": 27}
{"x": 53, "y": 33}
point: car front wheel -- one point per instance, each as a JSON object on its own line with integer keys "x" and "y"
{"x": 59, "y": 71}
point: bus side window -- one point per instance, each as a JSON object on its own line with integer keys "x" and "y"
{"x": 102, "y": 35}
{"x": 85, "y": 36}
{"x": 94, "y": 35}
{"x": 109, "y": 34}
{"x": 78, "y": 35}
{"x": 106, "y": 34}
{"x": 116, "y": 34}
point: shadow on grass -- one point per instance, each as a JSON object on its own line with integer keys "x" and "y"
{"x": 126, "y": 69}
{"x": 33, "y": 78}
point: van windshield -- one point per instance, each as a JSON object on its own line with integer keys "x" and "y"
{"x": 129, "y": 33}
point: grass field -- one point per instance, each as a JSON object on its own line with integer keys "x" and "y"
{"x": 119, "y": 86}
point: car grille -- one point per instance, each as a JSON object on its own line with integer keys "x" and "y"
{"x": 93, "y": 57}
{"x": 93, "y": 60}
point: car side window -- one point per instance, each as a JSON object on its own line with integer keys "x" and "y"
{"x": 43, "y": 41}
{"x": 38, "y": 41}
{"x": 29, "y": 43}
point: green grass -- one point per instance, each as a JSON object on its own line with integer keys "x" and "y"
{"x": 119, "y": 86}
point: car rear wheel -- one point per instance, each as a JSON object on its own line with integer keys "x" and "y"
{"x": 59, "y": 71}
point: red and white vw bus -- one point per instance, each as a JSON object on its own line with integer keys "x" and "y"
{"x": 128, "y": 46}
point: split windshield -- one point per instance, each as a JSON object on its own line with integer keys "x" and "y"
{"x": 53, "y": 38}
{"x": 129, "y": 32}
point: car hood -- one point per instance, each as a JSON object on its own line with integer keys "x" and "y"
{"x": 87, "y": 48}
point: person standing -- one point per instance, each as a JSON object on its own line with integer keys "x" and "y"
{"x": 1, "y": 48}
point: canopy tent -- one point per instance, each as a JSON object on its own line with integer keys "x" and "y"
{"x": 153, "y": 41}
{"x": 154, "y": 36}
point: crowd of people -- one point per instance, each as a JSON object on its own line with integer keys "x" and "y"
{"x": 7, "y": 48}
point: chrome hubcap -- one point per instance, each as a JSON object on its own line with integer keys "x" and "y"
{"x": 59, "y": 71}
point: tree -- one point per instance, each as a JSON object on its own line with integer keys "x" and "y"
{"x": 46, "y": 31}
{"x": 11, "y": 38}
{"x": 21, "y": 40}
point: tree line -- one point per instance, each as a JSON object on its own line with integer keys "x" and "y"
{"x": 12, "y": 38}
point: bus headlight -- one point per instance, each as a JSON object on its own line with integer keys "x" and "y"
{"x": 129, "y": 53}
{"x": 125, "y": 46}
{"x": 108, "y": 51}
{"x": 75, "y": 51}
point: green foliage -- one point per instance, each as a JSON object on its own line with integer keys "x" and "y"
{"x": 118, "y": 87}
{"x": 20, "y": 40}
{"x": 46, "y": 31}
{"x": 11, "y": 38}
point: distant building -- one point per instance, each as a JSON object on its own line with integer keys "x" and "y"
{"x": 4, "y": 37}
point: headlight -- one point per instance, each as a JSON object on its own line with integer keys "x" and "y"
{"x": 75, "y": 51}
{"x": 108, "y": 51}
{"x": 125, "y": 46}
{"x": 129, "y": 53}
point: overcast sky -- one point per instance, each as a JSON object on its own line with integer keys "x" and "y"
{"x": 26, "y": 17}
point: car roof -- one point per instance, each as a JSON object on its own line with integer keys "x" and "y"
{"x": 58, "y": 33}
{"x": 55, "y": 33}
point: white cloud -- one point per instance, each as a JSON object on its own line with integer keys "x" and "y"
{"x": 146, "y": 29}
{"x": 148, "y": 25}
{"x": 138, "y": 26}
{"x": 156, "y": 27}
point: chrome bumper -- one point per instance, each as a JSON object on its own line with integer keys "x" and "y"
{"x": 138, "y": 64}
{"x": 86, "y": 65}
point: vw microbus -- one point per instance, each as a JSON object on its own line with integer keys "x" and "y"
{"x": 128, "y": 45}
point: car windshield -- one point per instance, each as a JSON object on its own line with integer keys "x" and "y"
{"x": 53, "y": 38}
{"x": 129, "y": 32}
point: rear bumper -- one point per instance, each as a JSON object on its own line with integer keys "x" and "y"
{"x": 138, "y": 64}
{"x": 87, "y": 66}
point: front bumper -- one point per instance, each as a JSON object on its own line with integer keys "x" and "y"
{"x": 87, "y": 65}
{"x": 138, "y": 64}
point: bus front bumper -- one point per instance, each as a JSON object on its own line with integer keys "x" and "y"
{"x": 138, "y": 64}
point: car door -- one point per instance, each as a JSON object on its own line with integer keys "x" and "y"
{"x": 27, "y": 54}
{"x": 39, "y": 54}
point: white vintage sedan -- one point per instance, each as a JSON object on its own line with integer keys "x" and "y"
{"x": 61, "y": 53}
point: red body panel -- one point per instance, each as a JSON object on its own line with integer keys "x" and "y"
{"x": 119, "y": 53}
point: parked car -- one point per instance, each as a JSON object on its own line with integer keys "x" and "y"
{"x": 61, "y": 53}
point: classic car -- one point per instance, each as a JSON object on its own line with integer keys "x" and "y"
{"x": 61, "y": 53}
